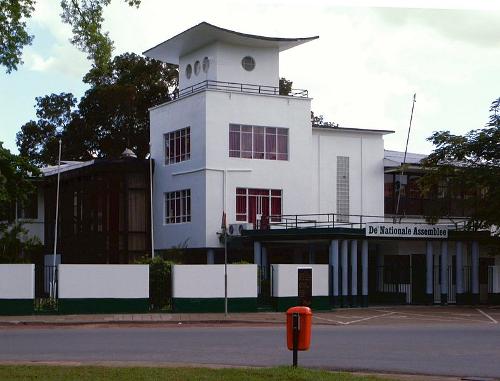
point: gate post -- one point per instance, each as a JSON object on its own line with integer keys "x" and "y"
{"x": 429, "y": 265}
{"x": 459, "y": 262}
{"x": 444, "y": 273}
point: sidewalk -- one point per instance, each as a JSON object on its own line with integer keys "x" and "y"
{"x": 147, "y": 318}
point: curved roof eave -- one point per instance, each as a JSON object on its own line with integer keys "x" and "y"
{"x": 204, "y": 34}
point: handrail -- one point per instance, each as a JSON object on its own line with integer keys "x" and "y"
{"x": 359, "y": 221}
{"x": 236, "y": 87}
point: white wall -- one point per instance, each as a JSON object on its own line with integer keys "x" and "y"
{"x": 366, "y": 170}
{"x": 207, "y": 281}
{"x": 185, "y": 112}
{"x": 225, "y": 65}
{"x": 293, "y": 176}
{"x": 36, "y": 227}
{"x": 17, "y": 281}
{"x": 103, "y": 281}
{"x": 285, "y": 280}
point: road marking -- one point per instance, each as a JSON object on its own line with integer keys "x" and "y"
{"x": 357, "y": 320}
{"x": 330, "y": 320}
{"x": 437, "y": 317}
{"x": 488, "y": 316}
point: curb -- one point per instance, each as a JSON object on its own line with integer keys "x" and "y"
{"x": 134, "y": 322}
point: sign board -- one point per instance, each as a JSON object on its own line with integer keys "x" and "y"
{"x": 390, "y": 230}
{"x": 304, "y": 278}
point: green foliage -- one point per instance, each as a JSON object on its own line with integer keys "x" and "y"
{"x": 160, "y": 281}
{"x": 111, "y": 116}
{"x": 14, "y": 184}
{"x": 16, "y": 247}
{"x": 285, "y": 86}
{"x": 318, "y": 121}
{"x": 84, "y": 16}
{"x": 13, "y": 34}
{"x": 470, "y": 162}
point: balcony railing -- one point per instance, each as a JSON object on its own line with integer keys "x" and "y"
{"x": 236, "y": 87}
{"x": 335, "y": 220}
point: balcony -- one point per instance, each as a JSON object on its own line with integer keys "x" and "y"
{"x": 238, "y": 88}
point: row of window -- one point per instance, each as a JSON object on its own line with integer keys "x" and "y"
{"x": 248, "y": 142}
{"x": 249, "y": 204}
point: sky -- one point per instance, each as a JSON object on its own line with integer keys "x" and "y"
{"x": 371, "y": 57}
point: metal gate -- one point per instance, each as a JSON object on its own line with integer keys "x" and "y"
{"x": 44, "y": 282}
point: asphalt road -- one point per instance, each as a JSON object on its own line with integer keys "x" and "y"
{"x": 455, "y": 350}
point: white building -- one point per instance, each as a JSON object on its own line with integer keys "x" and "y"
{"x": 229, "y": 141}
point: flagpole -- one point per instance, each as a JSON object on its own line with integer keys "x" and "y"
{"x": 56, "y": 225}
{"x": 225, "y": 246}
{"x": 151, "y": 201}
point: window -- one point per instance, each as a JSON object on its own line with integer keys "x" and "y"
{"x": 253, "y": 202}
{"x": 28, "y": 209}
{"x": 178, "y": 207}
{"x": 177, "y": 146}
{"x": 253, "y": 142}
{"x": 189, "y": 71}
{"x": 206, "y": 64}
{"x": 197, "y": 66}
{"x": 343, "y": 188}
{"x": 248, "y": 63}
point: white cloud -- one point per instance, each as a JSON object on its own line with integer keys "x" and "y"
{"x": 363, "y": 70}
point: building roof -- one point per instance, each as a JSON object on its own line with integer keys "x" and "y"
{"x": 396, "y": 158}
{"x": 352, "y": 129}
{"x": 66, "y": 165}
{"x": 204, "y": 34}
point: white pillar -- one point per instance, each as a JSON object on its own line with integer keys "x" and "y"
{"x": 345, "y": 288}
{"x": 444, "y": 272}
{"x": 354, "y": 272}
{"x": 364, "y": 269}
{"x": 429, "y": 272}
{"x": 475, "y": 272}
{"x": 459, "y": 275}
{"x": 334, "y": 263}
{"x": 257, "y": 254}
{"x": 210, "y": 256}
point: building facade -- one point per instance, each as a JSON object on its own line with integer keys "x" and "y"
{"x": 233, "y": 143}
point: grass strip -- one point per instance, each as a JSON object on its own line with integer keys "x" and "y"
{"x": 97, "y": 373}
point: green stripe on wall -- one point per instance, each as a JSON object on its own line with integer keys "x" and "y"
{"x": 317, "y": 303}
{"x": 214, "y": 304}
{"x": 104, "y": 306}
{"x": 16, "y": 306}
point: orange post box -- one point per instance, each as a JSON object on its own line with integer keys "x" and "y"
{"x": 304, "y": 327}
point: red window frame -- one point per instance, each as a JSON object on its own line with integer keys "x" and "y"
{"x": 249, "y": 201}
{"x": 257, "y": 142}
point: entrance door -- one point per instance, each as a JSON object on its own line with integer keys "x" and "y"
{"x": 418, "y": 278}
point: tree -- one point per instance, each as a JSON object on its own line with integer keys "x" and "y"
{"x": 84, "y": 16}
{"x": 13, "y": 34}
{"x": 472, "y": 163}
{"x": 111, "y": 116}
{"x": 318, "y": 121}
{"x": 285, "y": 86}
{"x": 15, "y": 188}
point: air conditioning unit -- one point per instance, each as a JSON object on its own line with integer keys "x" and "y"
{"x": 235, "y": 229}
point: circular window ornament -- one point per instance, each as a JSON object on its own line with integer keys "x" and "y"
{"x": 197, "y": 67}
{"x": 189, "y": 71}
{"x": 206, "y": 64}
{"x": 248, "y": 63}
